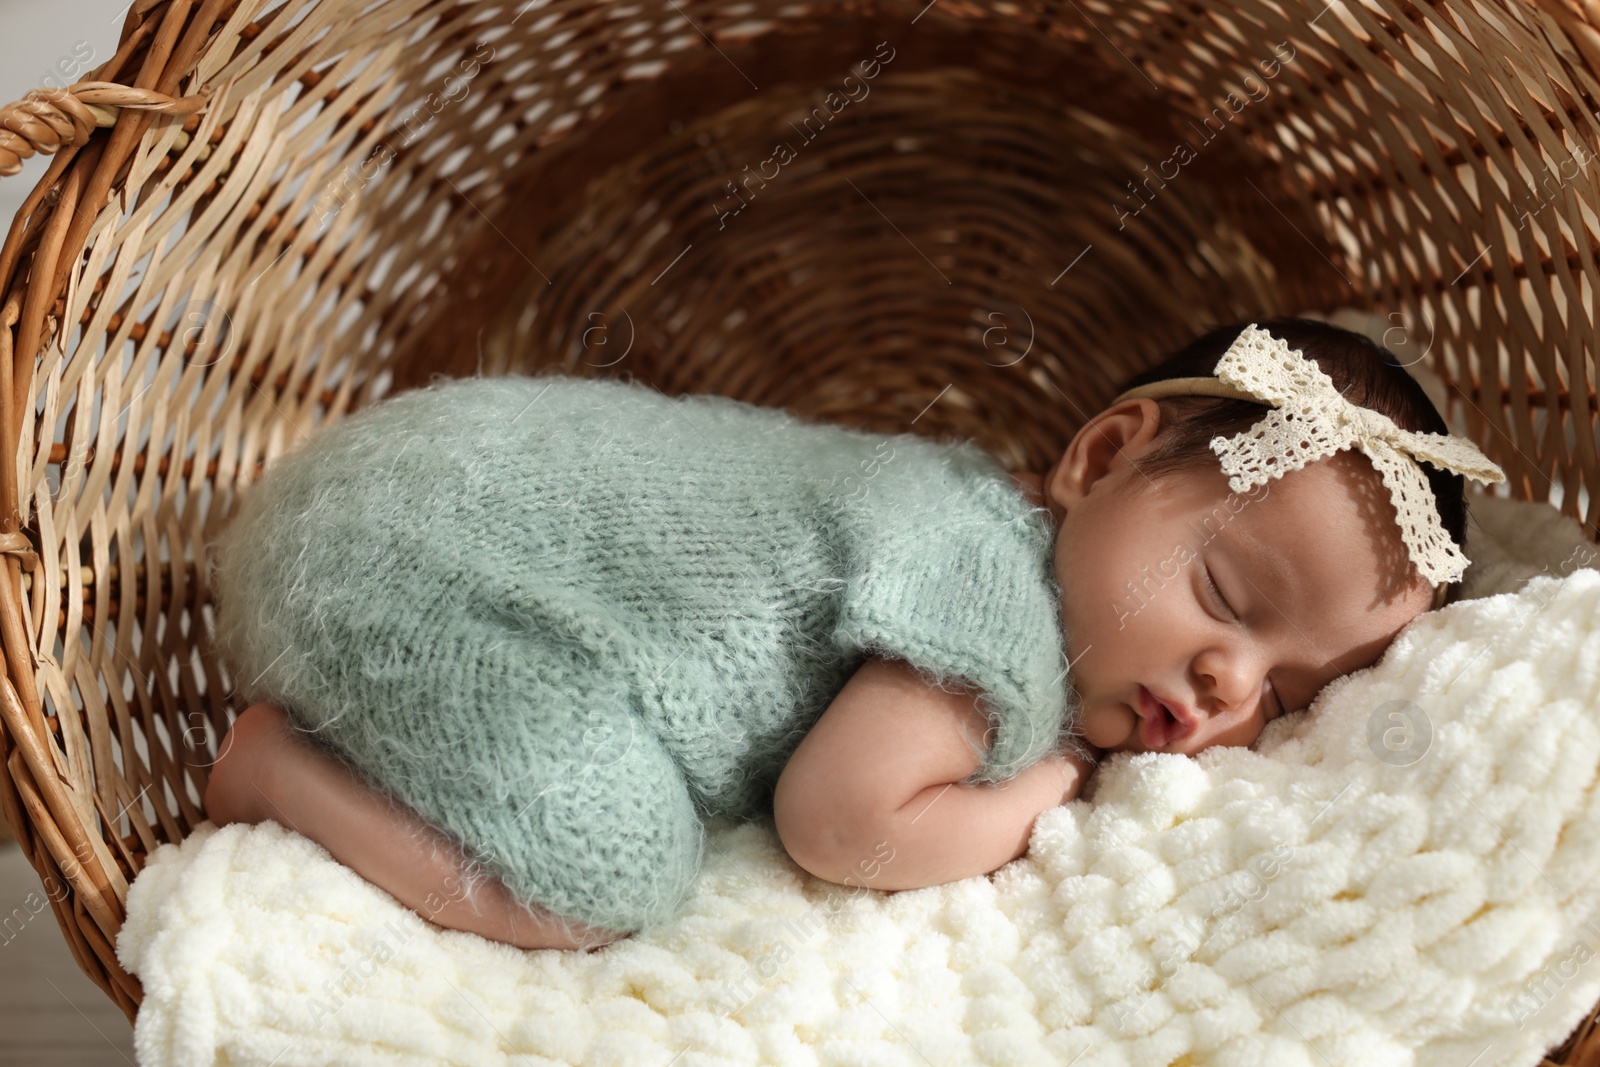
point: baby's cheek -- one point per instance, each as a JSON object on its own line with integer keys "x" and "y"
{"x": 1240, "y": 734}
{"x": 1108, "y": 725}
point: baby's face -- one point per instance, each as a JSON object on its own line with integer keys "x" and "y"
{"x": 1312, "y": 582}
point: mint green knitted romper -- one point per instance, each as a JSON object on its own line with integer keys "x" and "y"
{"x": 564, "y": 619}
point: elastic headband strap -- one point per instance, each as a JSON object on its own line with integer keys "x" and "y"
{"x": 1187, "y": 387}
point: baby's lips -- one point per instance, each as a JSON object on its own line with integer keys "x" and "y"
{"x": 1157, "y": 712}
{"x": 1187, "y": 722}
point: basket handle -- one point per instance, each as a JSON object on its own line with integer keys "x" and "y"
{"x": 47, "y": 120}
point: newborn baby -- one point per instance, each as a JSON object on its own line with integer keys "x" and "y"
{"x": 952, "y": 664}
{"x": 1208, "y": 612}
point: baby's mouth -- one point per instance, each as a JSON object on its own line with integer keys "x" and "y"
{"x": 1158, "y": 727}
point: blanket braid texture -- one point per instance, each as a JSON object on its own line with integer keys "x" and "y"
{"x": 1408, "y": 873}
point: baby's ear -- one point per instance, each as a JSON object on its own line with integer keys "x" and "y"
{"x": 1112, "y": 440}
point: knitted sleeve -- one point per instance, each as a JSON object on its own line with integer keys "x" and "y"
{"x": 954, "y": 575}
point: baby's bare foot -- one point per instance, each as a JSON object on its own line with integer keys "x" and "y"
{"x": 248, "y": 749}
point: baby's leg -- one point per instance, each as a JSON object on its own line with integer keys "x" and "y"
{"x": 266, "y": 771}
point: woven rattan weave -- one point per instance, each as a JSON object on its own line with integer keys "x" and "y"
{"x": 948, "y": 217}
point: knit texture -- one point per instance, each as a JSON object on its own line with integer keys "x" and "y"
{"x": 564, "y": 618}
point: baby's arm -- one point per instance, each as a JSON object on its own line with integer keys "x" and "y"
{"x": 869, "y": 796}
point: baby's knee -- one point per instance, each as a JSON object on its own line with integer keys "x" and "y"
{"x": 550, "y": 930}
{"x": 617, "y": 845}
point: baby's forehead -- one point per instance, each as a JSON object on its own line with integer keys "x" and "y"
{"x": 1342, "y": 486}
{"x": 1327, "y": 532}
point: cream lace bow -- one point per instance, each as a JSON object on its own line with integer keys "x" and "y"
{"x": 1312, "y": 419}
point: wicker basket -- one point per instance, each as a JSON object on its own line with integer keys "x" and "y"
{"x": 948, "y": 217}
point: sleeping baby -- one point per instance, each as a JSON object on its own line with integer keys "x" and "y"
{"x": 503, "y": 644}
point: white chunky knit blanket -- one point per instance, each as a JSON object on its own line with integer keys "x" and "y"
{"x": 1406, "y": 873}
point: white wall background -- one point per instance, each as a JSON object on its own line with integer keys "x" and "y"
{"x": 49, "y": 42}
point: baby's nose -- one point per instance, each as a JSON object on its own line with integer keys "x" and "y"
{"x": 1243, "y": 692}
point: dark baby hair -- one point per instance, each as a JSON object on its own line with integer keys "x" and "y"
{"x": 1366, "y": 373}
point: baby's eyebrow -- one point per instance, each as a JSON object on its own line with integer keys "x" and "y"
{"x": 1262, "y": 559}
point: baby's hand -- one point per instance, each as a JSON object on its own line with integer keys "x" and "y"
{"x": 1073, "y": 771}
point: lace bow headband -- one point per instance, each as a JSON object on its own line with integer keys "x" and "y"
{"x": 1312, "y": 419}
